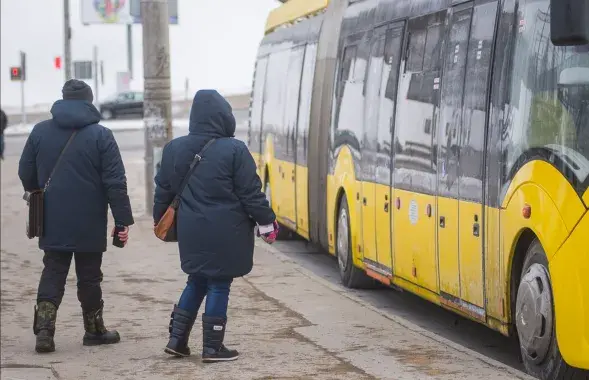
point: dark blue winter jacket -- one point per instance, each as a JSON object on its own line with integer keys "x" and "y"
{"x": 89, "y": 178}
{"x": 223, "y": 198}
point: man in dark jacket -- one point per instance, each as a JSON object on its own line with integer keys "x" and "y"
{"x": 89, "y": 177}
{"x": 218, "y": 211}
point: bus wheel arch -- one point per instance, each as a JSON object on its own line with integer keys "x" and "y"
{"x": 526, "y": 238}
{"x": 350, "y": 275}
{"x": 533, "y": 317}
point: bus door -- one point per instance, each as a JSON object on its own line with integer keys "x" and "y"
{"x": 287, "y": 169}
{"x": 461, "y": 147}
{"x": 389, "y": 55}
{"x": 368, "y": 146}
{"x": 414, "y": 177}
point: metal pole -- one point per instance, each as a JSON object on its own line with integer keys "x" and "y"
{"x": 157, "y": 94}
{"x": 23, "y": 111}
{"x": 67, "y": 34}
{"x": 130, "y": 49}
{"x": 23, "y": 68}
{"x": 96, "y": 83}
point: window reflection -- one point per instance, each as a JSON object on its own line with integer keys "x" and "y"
{"x": 549, "y": 110}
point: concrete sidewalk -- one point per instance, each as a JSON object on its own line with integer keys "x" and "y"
{"x": 286, "y": 322}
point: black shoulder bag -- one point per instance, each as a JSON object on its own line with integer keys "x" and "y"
{"x": 36, "y": 200}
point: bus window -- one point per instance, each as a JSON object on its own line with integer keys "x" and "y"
{"x": 451, "y": 104}
{"x": 416, "y": 50}
{"x": 549, "y": 101}
{"x": 472, "y": 134}
{"x": 348, "y": 59}
{"x": 255, "y": 128}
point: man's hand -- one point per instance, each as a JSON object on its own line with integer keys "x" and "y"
{"x": 123, "y": 235}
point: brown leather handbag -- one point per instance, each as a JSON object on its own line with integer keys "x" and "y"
{"x": 165, "y": 229}
{"x": 36, "y": 200}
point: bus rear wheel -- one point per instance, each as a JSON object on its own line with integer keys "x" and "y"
{"x": 351, "y": 276}
{"x": 535, "y": 321}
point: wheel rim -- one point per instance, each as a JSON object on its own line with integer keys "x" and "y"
{"x": 534, "y": 318}
{"x": 106, "y": 115}
{"x": 343, "y": 240}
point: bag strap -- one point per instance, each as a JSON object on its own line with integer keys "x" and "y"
{"x": 59, "y": 158}
{"x": 193, "y": 165}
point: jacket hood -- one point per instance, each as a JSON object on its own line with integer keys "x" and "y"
{"x": 211, "y": 115}
{"x": 74, "y": 113}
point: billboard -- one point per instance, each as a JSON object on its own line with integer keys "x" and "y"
{"x": 119, "y": 11}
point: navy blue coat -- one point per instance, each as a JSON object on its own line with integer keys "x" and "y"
{"x": 89, "y": 178}
{"x": 223, "y": 198}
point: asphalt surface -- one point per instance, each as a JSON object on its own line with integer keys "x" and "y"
{"x": 403, "y": 304}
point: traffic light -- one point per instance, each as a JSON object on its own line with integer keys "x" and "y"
{"x": 58, "y": 62}
{"x": 16, "y": 74}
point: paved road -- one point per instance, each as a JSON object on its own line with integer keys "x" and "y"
{"x": 420, "y": 312}
{"x": 406, "y": 305}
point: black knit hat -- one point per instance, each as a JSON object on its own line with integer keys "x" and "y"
{"x": 77, "y": 90}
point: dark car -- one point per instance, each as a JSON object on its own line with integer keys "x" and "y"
{"x": 124, "y": 104}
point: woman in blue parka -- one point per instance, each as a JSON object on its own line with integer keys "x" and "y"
{"x": 218, "y": 212}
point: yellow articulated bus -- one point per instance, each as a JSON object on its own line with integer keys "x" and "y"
{"x": 441, "y": 147}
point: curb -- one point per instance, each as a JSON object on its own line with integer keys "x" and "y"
{"x": 401, "y": 321}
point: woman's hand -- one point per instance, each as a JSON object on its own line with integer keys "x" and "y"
{"x": 270, "y": 237}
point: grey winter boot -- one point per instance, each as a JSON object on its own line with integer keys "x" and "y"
{"x": 213, "y": 334}
{"x": 44, "y": 326}
{"x": 96, "y": 334}
{"x": 181, "y": 323}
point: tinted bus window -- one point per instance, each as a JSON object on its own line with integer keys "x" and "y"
{"x": 549, "y": 98}
{"x": 255, "y": 127}
{"x": 305, "y": 103}
{"x": 472, "y": 139}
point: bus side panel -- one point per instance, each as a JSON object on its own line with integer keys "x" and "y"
{"x": 414, "y": 239}
{"x": 495, "y": 283}
{"x": 344, "y": 179}
{"x": 568, "y": 271}
{"x": 283, "y": 191}
{"x": 267, "y": 162}
{"x": 256, "y": 157}
{"x": 302, "y": 193}
{"x": 557, "y": 189}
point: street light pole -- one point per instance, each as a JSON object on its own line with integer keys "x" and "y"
{"x": 157, "y": 96}
{"x": 67, "y": 37}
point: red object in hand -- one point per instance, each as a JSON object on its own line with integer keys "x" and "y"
{"x": 271, "y": 236}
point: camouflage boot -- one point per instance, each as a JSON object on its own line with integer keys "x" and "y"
{"x": 44, "y": 326}
{"x": 96, "y": 334}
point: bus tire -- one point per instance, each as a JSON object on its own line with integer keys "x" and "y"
{"x": 283, "y": 233}
{"x": 351, "y": 276}
{"x": 535, "y": 321}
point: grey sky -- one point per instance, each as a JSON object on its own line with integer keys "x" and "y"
{"x": 214, "y": 46}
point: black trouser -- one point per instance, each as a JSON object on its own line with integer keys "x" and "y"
{"x": 54, "y": 276}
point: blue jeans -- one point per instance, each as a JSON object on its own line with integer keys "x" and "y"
{"x": 216, "y": 291}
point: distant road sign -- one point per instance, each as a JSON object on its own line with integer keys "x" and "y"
{"x": 16, "y": 73}
{"x": 83, "y": 70}
{"x": 119, "y": 11}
